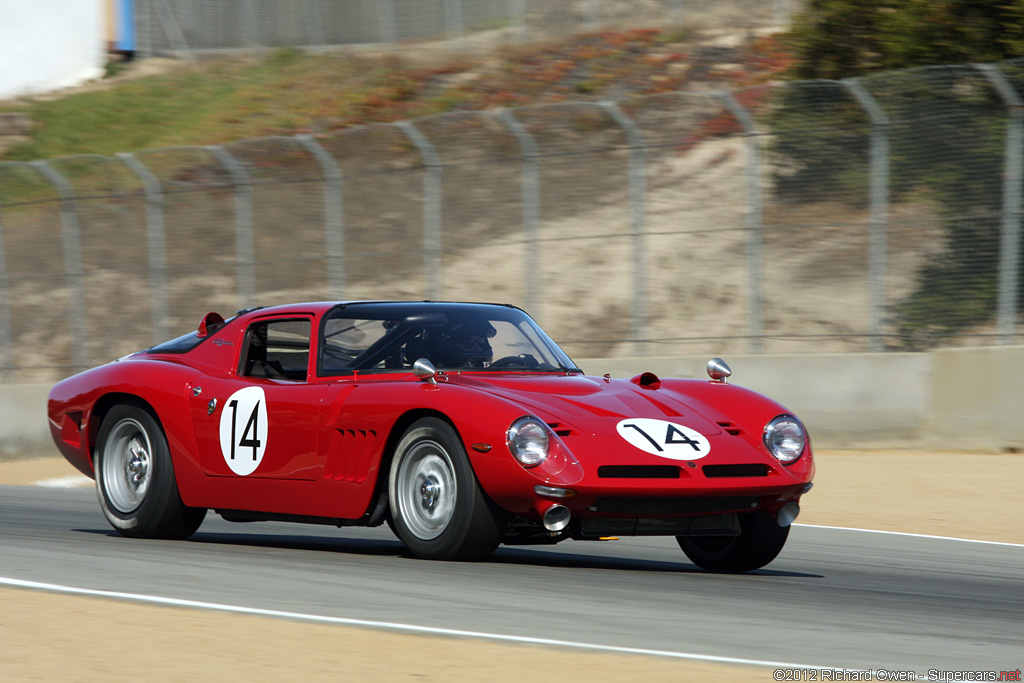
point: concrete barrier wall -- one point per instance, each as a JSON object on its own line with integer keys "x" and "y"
{"x": 952, "y": 399}
{"x": 955, "y": 399}
{"x": 846, "y": 401}
{"x": 49, "y": 44}
{"x": 23, "y": 425}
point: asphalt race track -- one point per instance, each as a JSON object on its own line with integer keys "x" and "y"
{"x": 834, "y": 598}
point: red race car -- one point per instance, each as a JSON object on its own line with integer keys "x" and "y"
{"x": 461, "y": 425}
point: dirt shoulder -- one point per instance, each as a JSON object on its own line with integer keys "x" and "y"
{"x": 976, "y": 495}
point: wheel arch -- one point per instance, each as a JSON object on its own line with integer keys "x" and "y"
{"x": 398, "y": 429}
{"x": 105, "y": 403}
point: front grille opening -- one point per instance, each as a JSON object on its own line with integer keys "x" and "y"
{"x": 751, "y": 470}
{"x": 638, "y": 471}
{"x": 729, "y": 428}
{"x": 648, "y": 505}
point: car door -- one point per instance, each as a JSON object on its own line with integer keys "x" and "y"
{"x": 261, "y": 421}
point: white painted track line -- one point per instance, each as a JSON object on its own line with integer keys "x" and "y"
{"x": 904, "y": 533}
{"x": 408, "y": 628}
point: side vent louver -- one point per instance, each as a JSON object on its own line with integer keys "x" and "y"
{"x": 730, "y": 428}
{"x": 556, "y": 428}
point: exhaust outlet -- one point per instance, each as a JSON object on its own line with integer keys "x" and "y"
{"x": 556, "y": 518}
{"x": 787, "y": 515}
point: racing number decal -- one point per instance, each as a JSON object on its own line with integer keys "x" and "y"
{"x": 664, "y": 439}
{"x": 243, "y": 430}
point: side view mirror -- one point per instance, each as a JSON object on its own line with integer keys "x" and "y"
{"x": 718, "y": 370}
{"x": 425, "y": 370}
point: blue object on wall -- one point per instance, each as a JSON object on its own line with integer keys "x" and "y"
{"x": 125, "y": 41}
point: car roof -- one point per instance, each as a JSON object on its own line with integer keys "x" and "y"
{"x": 320, "y": 307}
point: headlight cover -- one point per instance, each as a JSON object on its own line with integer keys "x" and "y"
{"x": 785, "y": 438}
{"x": 527, "y": 440}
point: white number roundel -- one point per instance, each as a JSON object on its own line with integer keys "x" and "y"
{"x": 664, "y": 439}
{"x": 243, "y": 430}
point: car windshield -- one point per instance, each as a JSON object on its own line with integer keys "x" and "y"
{"x": 393, "y": 336}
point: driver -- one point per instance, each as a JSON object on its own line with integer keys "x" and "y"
{"x": 464, "y": 344}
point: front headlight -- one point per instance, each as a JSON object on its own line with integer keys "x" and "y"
{"x": 785, "y": 438}
{"x": 528, "y": 441}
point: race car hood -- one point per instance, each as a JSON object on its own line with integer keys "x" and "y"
{"x": 588, "y": 404}
{"x": 702, "y": 430}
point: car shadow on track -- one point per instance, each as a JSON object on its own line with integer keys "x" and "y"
{"x": 348, "y": 545}
{"x": 547, "y": 558}
{"x": 384, "y": 547}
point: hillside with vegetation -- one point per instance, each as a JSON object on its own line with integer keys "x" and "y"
{"x": 162, "y": 103}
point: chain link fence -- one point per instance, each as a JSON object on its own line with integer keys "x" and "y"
{"x": 864, "y": 215}
{"x": 186, "y": 29}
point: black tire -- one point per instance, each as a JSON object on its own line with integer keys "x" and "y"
{"x": 437, "y": 508}
{"x": 135, "y": 478}
{"x": 760, "y": 541}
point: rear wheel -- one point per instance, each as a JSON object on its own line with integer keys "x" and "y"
{"x": 135, "y": 478}
{"x": 760, "y": 541}
{"x": 437, "y": 508}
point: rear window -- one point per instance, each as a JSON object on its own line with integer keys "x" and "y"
{"x": 182, "y": 344}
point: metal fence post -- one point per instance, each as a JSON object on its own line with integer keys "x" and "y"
{"x": 143, "y": 25}
{"x": 780, "y": 12}
{"x": 172, "y": 30}
{"x": 530, "y": 197}
{"x": 1013, "y": 170}
{"x": 250, "y": 25}
{"x": 431, "y": 208}
{"x": 754, "y": 226}
{"x": 637, "y": 199}
{"x": 675, "y": 11}
{"x": 879, "y": 248}
{"x": 517, "y": 17}
{"x": 386, "y": 18}
{"x": 6, "y": 341}
{"x": 453, "y": 24}
{"x": 314, "y": 23}
{"x": 244, "y": 250}
{"x": 72, "y": 238}
{"x": 157, "y": 244}
{"x": 334, "y": 215}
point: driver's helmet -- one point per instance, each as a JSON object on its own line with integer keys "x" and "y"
{"x": 464, "y": 344}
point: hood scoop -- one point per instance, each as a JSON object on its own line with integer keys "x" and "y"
{"x": 647, "y": 380}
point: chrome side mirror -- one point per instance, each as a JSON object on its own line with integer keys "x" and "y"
{"x": 718, "y": 370}
{"x": 425, "y": 370}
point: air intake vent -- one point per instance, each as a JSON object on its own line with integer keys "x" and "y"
{"x": 729, "y": 428}
{"x": 638, "y": 472}
{"x": 751, "y": 470}
{"x": 560, "y": 432}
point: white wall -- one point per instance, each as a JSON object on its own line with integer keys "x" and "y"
{"x": 50, "y": 44}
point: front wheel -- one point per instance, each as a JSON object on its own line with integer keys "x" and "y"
{"x": 135, "y": 478}
{"x": 760, "y": 541}
{"x": 437, "y": 508}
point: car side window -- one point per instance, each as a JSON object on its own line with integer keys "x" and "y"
{"x": 277, "y": 349}
{"x": 348, "y": 339}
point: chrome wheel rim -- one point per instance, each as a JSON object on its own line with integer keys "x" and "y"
{"x": 426, "y": 490}
{"x": 127, "y": 465}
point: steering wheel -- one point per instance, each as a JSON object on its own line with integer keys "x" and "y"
{"x": 523, "y": 360}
